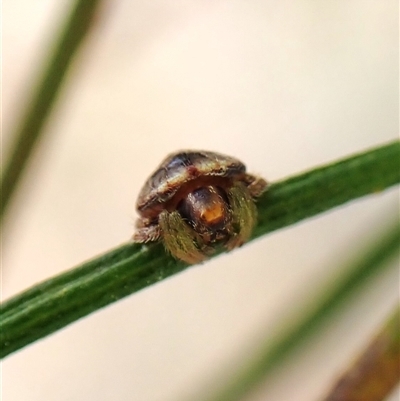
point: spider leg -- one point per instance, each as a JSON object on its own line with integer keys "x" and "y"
{"x": 255, "y": 185}
{"x": 180, "y": 239}
{"x": 244, "y": 213}
{"x": 146, "y": 232}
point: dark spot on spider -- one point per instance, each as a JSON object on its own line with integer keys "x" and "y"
{"x": 192, "y": 171}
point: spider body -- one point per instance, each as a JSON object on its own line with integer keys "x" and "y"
{"x": 196, "y": 200}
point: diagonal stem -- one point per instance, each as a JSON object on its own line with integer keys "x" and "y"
{"x": 293, "y": 334}
{"x": 39, "y": 107}
{"x": 61, "y": 300}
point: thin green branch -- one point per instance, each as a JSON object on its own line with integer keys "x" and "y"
{"x": 292, "y": 335}
{"x": 39, "y": 107}
{"x": 55, "y": 303}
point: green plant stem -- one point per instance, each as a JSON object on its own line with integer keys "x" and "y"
{"x": 39, "y": 107}
{"x": 53, "y": 304}
{"x": 291, "y": 336}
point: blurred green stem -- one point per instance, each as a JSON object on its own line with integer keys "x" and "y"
{"x": 39, "y": 107}
{"x": 292, "y": 335}
{"x": 61, "y": 300}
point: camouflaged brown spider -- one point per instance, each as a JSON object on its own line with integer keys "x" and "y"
{"x": 196, "y": 200}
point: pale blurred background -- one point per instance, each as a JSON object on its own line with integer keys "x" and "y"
{"x": 284, "y": 86}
